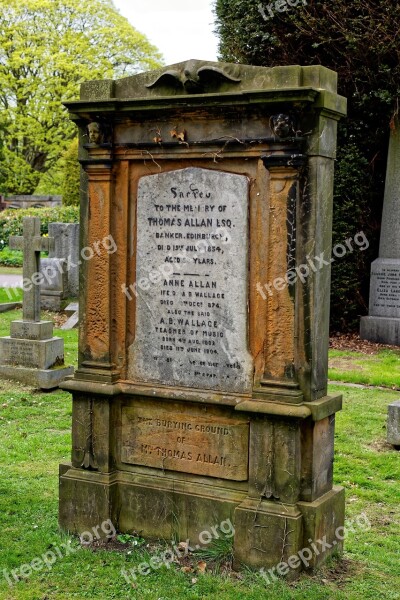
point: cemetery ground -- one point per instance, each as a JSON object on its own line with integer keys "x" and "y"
{"x": 35, "y": 433}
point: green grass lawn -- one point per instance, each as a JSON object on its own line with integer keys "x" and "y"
{"x": 381, "y": 369}
{"x": 10, "y": 295}
{"x": 35, "y": 438}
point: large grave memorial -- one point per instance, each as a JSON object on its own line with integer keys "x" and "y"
{"x": 201, "y": 392}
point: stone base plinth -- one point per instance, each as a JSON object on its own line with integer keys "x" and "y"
{"x": 259, "y": 471}
{"x": 32, "y": 354}
{"x": 31, "y": 330}
{"x": 265, "y": 533}
{"x": 268, "y": 533}
{"x": 393, "y": 424}
{"x": 45, "y": 379}
{"x": 382, "y": 330}
{"x": 162, "y": 508}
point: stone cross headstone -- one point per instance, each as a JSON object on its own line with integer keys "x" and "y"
{"x": 31, "y": 354}
{"x": 32, "y": 244}
{"x": 383, "y": 323}
{"x": 201, "y": 392}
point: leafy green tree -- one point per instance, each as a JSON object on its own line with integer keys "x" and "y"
{"x": 71, "y": 175}
{"x": 359, "y": 40}
{"x": 47, "y": 48}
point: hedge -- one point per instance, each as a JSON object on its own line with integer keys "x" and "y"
{"x": 11, "y": 219}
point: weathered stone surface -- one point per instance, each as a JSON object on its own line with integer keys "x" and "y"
{"x": 180, "y": 151}
{"x": 385, "y": 288}
{"x": 324, "y": 517}
{"x": 390, "y": 238}
{"x": 393, "y": 424}
{"x": 157, "y": 436}
{"x": 26, "y": 201}
{"x": 174, "y": 508}
{"x": 66, "y": 246}
{"x": 31, "y": 354}
{"x": 31, "y": 330}
{"x": 266, "y": 535}
{"x": 192, "y": 270}
{"x": 382, "y": 330}
{"x": 34, "y": 354}
{"x": 7, "y": 306}
{"x": 32, "y": 245}
{"x": 250, "y": 78}
{"x": 72, "y": 308}
{"x": 44, "y": 379}
{"x": 317, "y": 459}
{"x": 383, "y": 323}
{"x": 53, "y": 288}
{"x": 72, "y": 322}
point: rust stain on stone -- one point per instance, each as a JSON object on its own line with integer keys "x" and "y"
{"x": 280, "y": 334}
{"x": 98, "y": 275}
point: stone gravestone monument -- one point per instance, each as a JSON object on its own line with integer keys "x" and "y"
{"x": 383, "y": 323}
{"x": 53, "y": 288}
{"x": 393, "y": 424}
{"x": 66, "y": 246}
{"x": 201, "y": 393}
{"x": 72, "y": 311}
{"x": 31, "y": 354}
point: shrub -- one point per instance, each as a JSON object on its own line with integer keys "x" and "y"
{"x": 11, "y": 258}
{"x": 71, "y": 178}
{"x": 11, "y": 220}
{"x": 359, "y": 40}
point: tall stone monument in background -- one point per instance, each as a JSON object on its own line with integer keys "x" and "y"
{"x": 383, "y": 323}
{"x": 201, "y": 392}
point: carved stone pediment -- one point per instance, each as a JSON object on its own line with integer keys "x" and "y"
{"x": 191, "y": 78}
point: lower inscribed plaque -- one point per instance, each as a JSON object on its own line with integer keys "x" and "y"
{"x": 185, "y": 441}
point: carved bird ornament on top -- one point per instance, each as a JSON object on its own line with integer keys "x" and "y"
{"x": 192, "y": 80}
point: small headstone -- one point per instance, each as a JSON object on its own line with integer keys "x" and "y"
{"x": 66, "y": 246}
{"x": 54, "y": 284}
{"x": 31, "y": 354}
{"x": 73, "y": 321}
{"x": 393, "y": 424}
{"x": 72, "y": 308}
{"x": 7, "y": 306}
{"x": 383, "y": 323}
